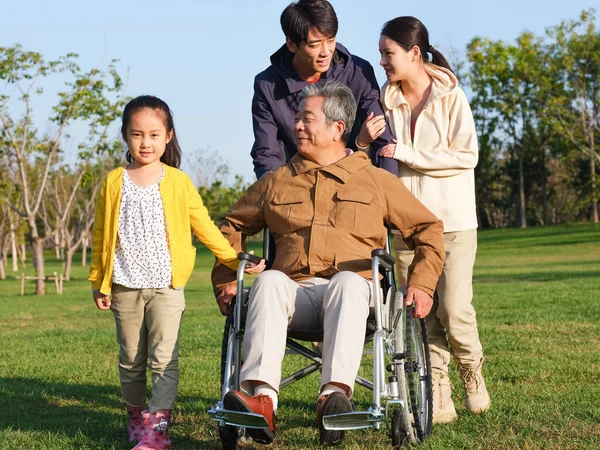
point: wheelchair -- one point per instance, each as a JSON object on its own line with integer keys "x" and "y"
{"x": 402, "y": 400}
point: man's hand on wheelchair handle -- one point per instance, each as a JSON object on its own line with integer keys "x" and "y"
{"x": 255, "y": 268}
{"x": 224, "y": 298}
{"x": 422, "y": 300}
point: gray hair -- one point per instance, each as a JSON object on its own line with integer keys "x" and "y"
{"x": 339, "y": 103}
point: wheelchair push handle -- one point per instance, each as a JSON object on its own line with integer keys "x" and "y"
{"x": 249, "y": 257}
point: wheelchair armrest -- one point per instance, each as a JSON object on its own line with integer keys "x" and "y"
{"x": 249, "y": 257}
{"x": 386, "y": 260}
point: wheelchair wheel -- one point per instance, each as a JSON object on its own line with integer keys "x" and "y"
{"x": 418, "y": 375}
{"x": 229, "y": 437}
{"x": 227, "y": 433}
{"x": 398, "y": 431}
{"x": 224, "y": 342}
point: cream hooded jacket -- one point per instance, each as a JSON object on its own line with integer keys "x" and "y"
{"x": 438, "y": 166}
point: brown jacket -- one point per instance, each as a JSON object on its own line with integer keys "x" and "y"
{"x": 328, "y": 219}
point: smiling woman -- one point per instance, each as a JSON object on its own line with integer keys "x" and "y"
{"x": 436, "y": 149}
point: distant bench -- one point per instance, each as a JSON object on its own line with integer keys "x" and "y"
{"x": 58, "y": 281}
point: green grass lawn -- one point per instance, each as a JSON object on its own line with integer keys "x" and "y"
{"x": 537, "y": 296}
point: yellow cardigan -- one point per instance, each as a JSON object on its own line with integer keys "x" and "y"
{"x": 183, "y": 210}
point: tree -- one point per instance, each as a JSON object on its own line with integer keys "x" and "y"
{"x": 576, "y": 110}
{"x": 509, "y": 84}
{"x": 219, "y": 197}
{"x": 93, "y": 97}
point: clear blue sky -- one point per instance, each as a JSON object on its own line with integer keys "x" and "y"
{"x": 201, "y": 56}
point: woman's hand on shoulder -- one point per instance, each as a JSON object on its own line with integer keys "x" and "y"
{"x": 371, "y": 129}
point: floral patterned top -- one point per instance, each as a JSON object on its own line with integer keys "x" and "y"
{"x": 142, "y": 256}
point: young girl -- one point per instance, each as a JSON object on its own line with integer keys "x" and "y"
{"x": 436, "y": 150}
{"x": 142, "y": 253}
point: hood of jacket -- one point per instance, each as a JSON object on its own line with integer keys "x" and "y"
{"x": 281, "y": 62}
{"x": 444, "y": 83}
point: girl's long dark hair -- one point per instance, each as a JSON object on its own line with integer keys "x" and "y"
{"x": 172, "y": 155}
{"x": 409, "y": 31}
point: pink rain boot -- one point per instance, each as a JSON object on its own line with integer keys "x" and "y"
{"x": 135, "y": 423}
{"x": 156, "y": 431}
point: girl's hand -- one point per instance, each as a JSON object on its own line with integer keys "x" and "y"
{"x": 371, "y": 129}
{"x": 389, "y": 150}
{"x": 255, "y": 268}
{"x": 102, "y": 300}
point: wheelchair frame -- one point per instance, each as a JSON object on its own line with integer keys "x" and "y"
{"x": 400, "y": 346}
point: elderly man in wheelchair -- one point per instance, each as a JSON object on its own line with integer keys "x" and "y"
{"x": 327, "y": 211}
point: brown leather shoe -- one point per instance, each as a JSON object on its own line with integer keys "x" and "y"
{"x": 259, "y": 404}
{"x": 334, "y": 403}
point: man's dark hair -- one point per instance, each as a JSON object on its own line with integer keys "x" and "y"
{"x": 299, "y": 17}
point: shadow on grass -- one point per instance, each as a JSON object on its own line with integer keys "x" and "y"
{"x": 30, "y": 404}
{"x": 72, "y": 410}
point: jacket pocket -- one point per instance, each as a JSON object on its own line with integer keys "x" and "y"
{"x": 356, "y": 211}
{"x": 290, "y": 211}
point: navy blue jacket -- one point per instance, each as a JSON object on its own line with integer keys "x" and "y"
{"x": 275, "y": 104}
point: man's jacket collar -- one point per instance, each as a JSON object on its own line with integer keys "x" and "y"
{"x": 341, "y": 169}
{"x": 282, "y": 64}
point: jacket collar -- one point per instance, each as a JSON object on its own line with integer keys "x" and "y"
{"x": 342, "y": 169}
{"x": 282, "y": 64}
{"x": 115, "y": 183}
{"x": 443, "y": 83}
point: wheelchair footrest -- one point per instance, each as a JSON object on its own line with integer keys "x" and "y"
{"x": 354, "y": 420}
{"x": 238, "y": 418}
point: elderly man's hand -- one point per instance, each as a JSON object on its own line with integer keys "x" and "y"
{"x": 224, "y": 298}
{"x": 422, "y": 300}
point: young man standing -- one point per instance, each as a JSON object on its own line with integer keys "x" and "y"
{"x": 311, "y": 55}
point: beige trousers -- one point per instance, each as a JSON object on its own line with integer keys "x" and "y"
{"x": 340, "y": 306}
{"x": 148, "y": 322}
{"x": 451, "y": 325}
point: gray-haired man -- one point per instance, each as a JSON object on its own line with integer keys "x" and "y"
{"x": 327, "y": 210}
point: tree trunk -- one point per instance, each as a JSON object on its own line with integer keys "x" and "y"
{"x": 2, "y": 270}
{"x": 522, "y": 209}
{"x": 3, "y": 258}
{"x": 23, "y": 254}
{"x": 37, "y": 244}
{"x": 68, "y": 263}
{"x": 4, "y": 251}
{"x": 544, "y": 188}
{"x": 84, "y": 251}
{"x": 594, "y": 194}
{"x": 13, "y": 246}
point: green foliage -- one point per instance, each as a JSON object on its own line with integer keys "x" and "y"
{"x": 219, "y": 198}
{"x": 33, "y": 161}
